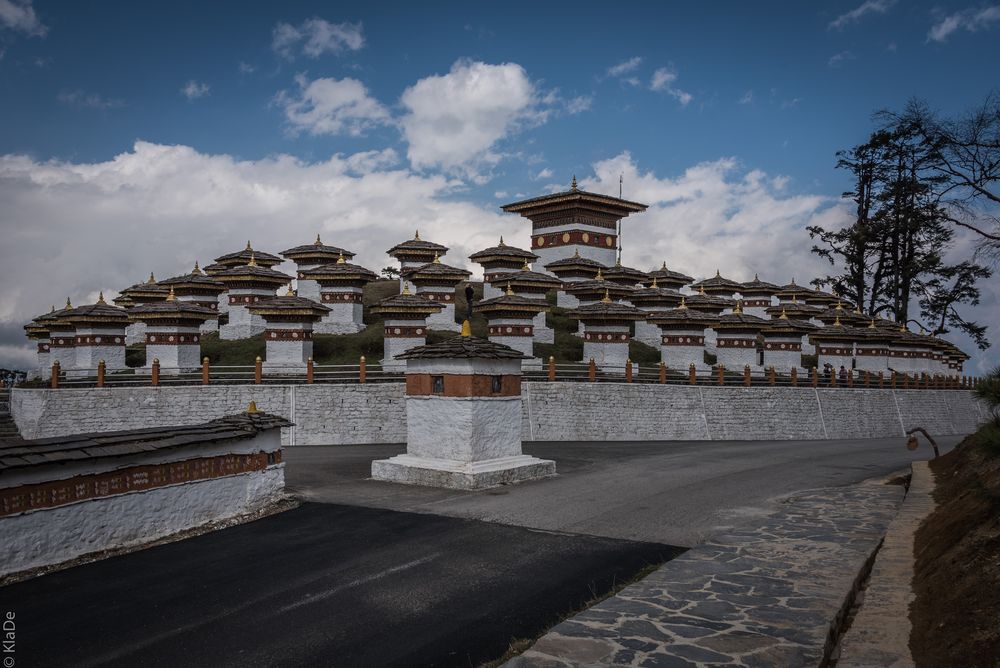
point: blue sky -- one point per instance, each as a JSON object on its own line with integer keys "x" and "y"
{"x": 718, "y": 115}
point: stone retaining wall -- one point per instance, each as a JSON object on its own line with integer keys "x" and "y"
{"x": 375, "y": 413}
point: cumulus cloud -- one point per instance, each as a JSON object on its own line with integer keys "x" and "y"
{"x": 970, "y": 20}
{"x": 663, "y": 81}
{"x": 624, "y": 67}
{"x": 79, "y": 99}
{"x": 19, "y": 16}
{"x": 193, "y": 90}
{"x": 314, "y": 37}
{"x": 159, "y": 208}
{"x": 455, "y": 120}
{"x": 544, "y": 174}
{"x": 838, "y": 59}
{"x": 331, "y": 106}
{"x": 747, "y": 98}
{"x": 859, "y": 12}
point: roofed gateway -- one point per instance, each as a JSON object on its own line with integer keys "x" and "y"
{"x": 575, "y": 221}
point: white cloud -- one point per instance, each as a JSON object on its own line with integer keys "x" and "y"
{"x": 579, "y": 104}
{"x": 193, "y": 90}
{"x": 838, "y": 59}
{"x": 625, "y": 67}
{"x": 971, "y": 20}
{"x": 456, "y": 120}
{"x": 859, "y": 12}
{"x": 331, "y": 106}
{"x": 246, "y": 68}
{"x": 747, "y": 97}
{"x": 19, "y": 15}
{"x": 314, "y": 37}
{"x": 158, "y": 208}
{"x": 82, "y": 100}
{"x": 663, "y": 81}
{"x": 544, "y": 174}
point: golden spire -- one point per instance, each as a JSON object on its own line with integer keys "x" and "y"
{"x": 151, "y": 280}
{"x": 783, "y": 316}
{"x": 290, "y": 292}
{"x": 664, "y": 267}
{"x": 738, "y": 310}
{"x": 509, "y": 290}
{"x": 576, "y": 252}
{"x": 607, "y": 297}
{"x": 318, "y": 241}
{"x": 53, "y": 309}
{"x": 502, "y": 244}
{"x": 526, "y": 266}
{"x": 171, "y": 297}
{"x": 836, "y": 322}
{"x": 466, "y": 328}
{"x": 839, "y": 306}
{"x": 572, "y": 186}
{"x": 871, "y": 325}
{"x": 252, "y": 408}
{"x": 249, "y": 247}
{"x": 253, "y": 260}
{"x": 100, "y": 298}
{"x": 68, "y": 305}
{"x": 340, "y": 259}
{"x": 436, "y": 260}
{"x": 795, "y": 299}
{"x": 701, "y": 289}
{"x": 858, "y": 311}
{"x": 416, "y": 235}
{"x": 653, "y": 284}
{"x": 197, "y": 269}
{"x": 683, "y": 303}
{"x": 406, "y": 288}
{"x": 717, "y": 274}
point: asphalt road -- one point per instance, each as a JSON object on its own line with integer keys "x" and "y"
{"x": 677, "y": 493}
{"x": 320, "y": 585}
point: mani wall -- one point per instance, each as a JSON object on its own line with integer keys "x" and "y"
{"x": 375, "y": 413}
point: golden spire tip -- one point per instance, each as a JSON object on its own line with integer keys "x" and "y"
{"x": 510, "y": 291}
{"x": 572, "y": 185}
{"x": 607, "y": 297}
{"x": 406, "y": 288}
{"x": 249, "y": 247}
{"x": 340, "y": 259}
{"x": 171, "y": 297}
{"x": 437, "y": 259}
{"x": 416, "y": 235}
{"x": 197, "y": 269}
{"x": 152, "y": 279}
{"x": 318, "y": 241}
{"x": 253, "y": 260}
{"x": 466, "y": 329}
{"x": 252, "y": 408}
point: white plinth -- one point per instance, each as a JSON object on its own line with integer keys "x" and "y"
{"x": 454, "y": 474}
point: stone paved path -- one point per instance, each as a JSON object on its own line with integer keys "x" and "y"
{"x": 766, "y": 596}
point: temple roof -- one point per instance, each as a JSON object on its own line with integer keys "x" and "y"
{"x": 463, "y": 347}
{"x": 339, "y": 270}
{"x": 664, "y": 275}
{"x": 172, "y": 308}
{"x": 196, "y": 279}
{"x": 250, "y": 271}
{"x": 740, "y": 320}
{"x": 655, "y": 294}
{"x": 598, "y": 285}
{"x": 512, "y": 302}
{"x": 99, "y": 311}
{"x": 607, "y": 310}
{"x": 787, "y": 325}
{"x": 623, "y": 273}
{"x": 574, "y": 198}
{"x": 436, "y": 269}
{"x": 419, "y": 245}
{"x": 526, "y": 277}
{"x": 717, "y": 282}
{"x": 847, "y": 317}
{"x": 794, "y": 290}
{"x": 702, "y": 301}
{"x": 289, "y": 305}
{"x": 839, "y": 332}
{"x": 682, "y": 315}
{"x": 244, "y": 256}
{"x": 406, "y": 303}
{"x": 575, "y": 261}
{"x": 317, "y": 250}
{"x": 502, "y": 251}
{"x": 149, "y": 287}
{"x": 757, "y": 286}
{"x": 55, "y": 315}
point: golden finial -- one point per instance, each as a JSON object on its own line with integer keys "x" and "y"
{"x": 526, "y": 266}
{"x": 252, "y": 407}
{"x": 871, "y": 325}
{"x": 755, "y": 276}
{"x": 171, "y": 297}
{"x": 416, "y": 235}
{"x": 290, "y": 292}
{"x": 607, "y": 297}
{"x": 466, "y": 329}
{"x": 249, "y": 247}
{"x": 739, "y": 308}
{"x": 318, "y": 241}
{"x": 701, "y": 289}
{"x": 858, "y": 311}
{"x": 68, "y": 305}
{"x": 406, "y": 288}
{"x": 795, "y": 299}
{"x": 576, "y": 253}
{"x": 664, "y": 267}
{"x": 600, "y": 275}
{"x": 717, "y": 274}
{"x": 151, "y": 280}
{"x": 572, "y": 186}
{"x": 253, "y": 260}
{"x": 197, "y": 269}
{"x": 509, "y": 290}
{"x": 53, "y": 309}
{"x": 100, "y": 298}
{"x": 839, "y": 306}
{"x": 836, "y": 322}
{"x": 436, "y": 260}
{"x": 783, "y": 316}
{"x": 653, "y": 284}
{"x": 502, "y": 244}
{"x": 340, "y": 259}
{"x": 683, "y": 303}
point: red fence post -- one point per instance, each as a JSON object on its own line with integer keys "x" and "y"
{"x": 552, "y": 368}
{"x": 722, "y": 375}
{"x": 591, "y": 370}
{"x": 692, "y": 375}
{"x": 54, "y": 381}
{"x": 258, "y": 370}
{"x": 205, "y": 369}
{"x": 309, "y": 370}
{"x": 154, "y": 373}
{"x": 815, "y": 377}
{"x": 663, "y": 373}
{"x": 628, "y": 370}
{"x": 746, "y": 376}
{"x": 101, "y": 368}
{"x": 362, "y": 370}
{"x": 795, "y": 377}
{"x": 771, "y": 376}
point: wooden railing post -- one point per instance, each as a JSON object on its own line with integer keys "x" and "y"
{"x": 101, "y": 368}
{"x": 309, "y": 370}
{"x": 881, "y": 380}
{"x": 663, "y": 373}
{"x": 771, "y": 376}
{"x": 552, "y": 368}
{"x": 795, "y": 377}
{"x": 850, "y": 378}
{"x": 692, "y": 375}
{"x": 591, "y": 370}
{"x": 868, "y": 378}
{"x": 746, "y": 376}
{"x": 362, "y": 370}
{"x": 54, "y": 380}
{"x": 721, "y": 375}
{"x": 154, "y": 373}
{"x": 628, "y": 370}
{"x": 815, "y": 377}
{"x": 258, "y": 370}
{"x": 906, "y": 381}
{"x": 205, "y": 371}
{"x": 833, "y": 377}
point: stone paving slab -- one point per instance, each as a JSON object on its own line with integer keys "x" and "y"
{"x": 770, "y": 595}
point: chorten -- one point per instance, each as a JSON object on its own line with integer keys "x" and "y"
{"x": 871, "y": 351}
{"x": 606, "y": 332}
{"x": 511, "y": 321}
{"x": 240, "y": 258}
{"x": 717, "y": 286}
{"x": 618, "y": 273}
{"x": 593, "y": 291}
{"x": 37, "y": 331}
{"x": 173, "y": 334}
{"x": 531, "y": 285}
{"x": 437, "y": 282}
{"x": 199, "y": 289}
{"x": 835, "y": 345}
{"x": 783, "y": 342}
{"x": 667, "y": 278}
{"x": 736, "y": 344}
{"x": 683, "y": 335}
{"x": 570, "y": 270}
{"x": 652, "y": 300}
{"x": 99, "y": 331}
{"x": 497, "y": 260}
{"x": 144, "y": 292}
{"x": 309, "y": 257}
{"x": 341, "y": 287}
{"x": 757, "y": 296}
{"x": 62, "y": 337}
{"x": 415, "y": 253}
{"x": 246, "y": 286}
{"x": 405, "y": 317}
{"x": 288, "y": 337}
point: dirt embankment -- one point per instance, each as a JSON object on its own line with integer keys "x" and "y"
{"x": 956, "y": 614}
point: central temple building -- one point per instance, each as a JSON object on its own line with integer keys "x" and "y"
{"x": 575, "y": 222}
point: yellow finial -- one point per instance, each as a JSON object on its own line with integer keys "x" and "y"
{"x": 249, "y": 247}
{"x": 576, "y": 253}
{"x": 526, "y": 266}
{"x": 171, "y": 297}
{"x": 839, "y": 306}
{"x": 572, "y": 186}
{"x": 318, "y": 241}
{"x": 100, "y": 298}
{"x": 252, "y": 408}
{"x": 152, "y": 279}
{"x": 653, "y": 284}
{"x": 68, "y": 305}
{"x": 717, "y": 274}
{"x": 600, "y": 275}
{"x": 871, "y": 325}
{"x": 466, "y": 329}
{"x": 795, "y": 299}
{"x": 406, "y": 288}
{"x": 340, "y": 259}
{"x": 253, "y": 260}
{"x": 783, "y": 316}
{"x": 501, "y": 241}
{"x": 197, "y": 269}
{"x": 683, "y": 303}
{"x": 857, "y": 310}
{"x": 739, "y": 308}
{"x": 416, "y": 235}
{"x": 701, "y": 289}
{"x": 510, "y": 291}
{"x": 664, "y": 267}
{"x": 755, "y": 276}
{"x": 290, "y": 292}
{"x": 607, "y": 297}
{"x": 836, "y": 322}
